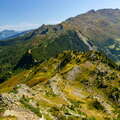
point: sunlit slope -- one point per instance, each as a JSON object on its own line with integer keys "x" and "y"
{"x": 94, "y": 30}
{"x": 71, "y": 86}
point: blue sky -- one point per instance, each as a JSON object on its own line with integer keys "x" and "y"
{"x": 28, "y": 14}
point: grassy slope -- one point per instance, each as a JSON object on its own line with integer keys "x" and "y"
{"x": 42, "y": 46}
{"x": 100, "y": 28}
{"x": 75, "y": 85}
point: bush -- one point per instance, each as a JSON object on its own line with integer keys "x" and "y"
{"x": 97, "y": 105}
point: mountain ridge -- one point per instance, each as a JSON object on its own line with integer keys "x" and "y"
{"x": 67, "y": 71}
{"x": 90, "y": 31}
{"x": 72, "y": 85}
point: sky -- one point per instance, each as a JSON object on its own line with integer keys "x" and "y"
{"x": 29, "y": 14}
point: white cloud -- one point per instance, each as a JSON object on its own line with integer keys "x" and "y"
{"x": 19, "y": 27}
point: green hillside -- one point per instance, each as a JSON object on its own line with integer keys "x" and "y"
{"x": 94, "y": 30}
{"x": 71, "y": 86}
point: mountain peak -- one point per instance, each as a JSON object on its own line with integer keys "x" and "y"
{"x": 91, "y": 11}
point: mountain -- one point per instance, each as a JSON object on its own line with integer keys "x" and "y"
{"x": 101, "y": 29}
{"x": 70, "y": 86}
{"x": 94, "y": 30}
{"x": 68, "y": 71}
{"x": 11, "y": 34}
{"x": 7, "y": 33}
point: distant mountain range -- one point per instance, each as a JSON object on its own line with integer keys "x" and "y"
{"x": 10, "y": 34}
{"x": 7, "y": 33}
